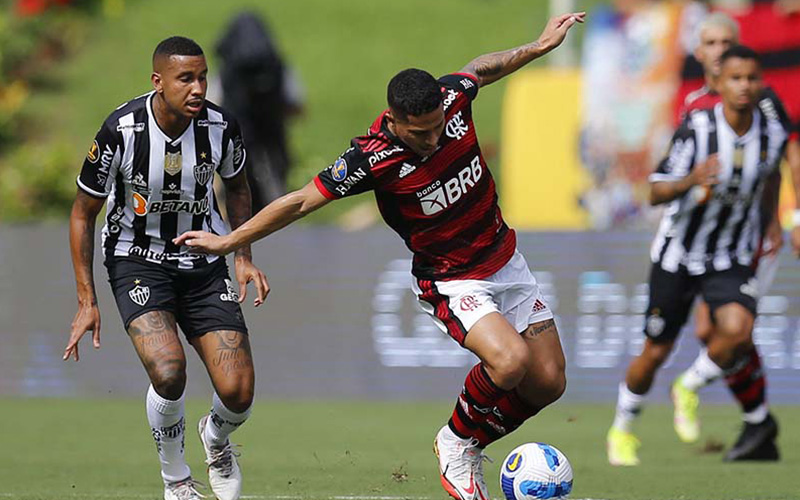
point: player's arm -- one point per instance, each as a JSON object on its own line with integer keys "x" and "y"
{"x": 769, "y": 204}
{"x": 81, "y": 243}
{"x": 238, "y": 202}
{"x": 793, "y": 159}
{"x": 489, "y": 68}
{"x": 277, "y": 215}
{"x": 702, "y": 176}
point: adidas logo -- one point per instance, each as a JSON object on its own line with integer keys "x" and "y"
{"x": 406, "y": 169}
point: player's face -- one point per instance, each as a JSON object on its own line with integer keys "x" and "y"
{"x": 420, "y": 133}
{"x": 714, "y": 40}
{"x": 740, "y": 83}
{"x": 181, "y": 81}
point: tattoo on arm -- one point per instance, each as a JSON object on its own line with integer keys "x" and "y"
{"x": 239, "y": 203}
{"x": 491, "y": 67}
{"x": 539, "y": 328}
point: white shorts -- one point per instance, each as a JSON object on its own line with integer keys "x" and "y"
{"x": 456, "y": 305}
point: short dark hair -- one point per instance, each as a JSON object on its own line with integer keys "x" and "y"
{"x": 740, "y": 52}
{"x": 413, "y": 92}
{"x": 177, "y": 46}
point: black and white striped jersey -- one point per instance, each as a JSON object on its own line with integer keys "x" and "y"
{"x": 158, "y": 187}
{"x": 712, "y": 231}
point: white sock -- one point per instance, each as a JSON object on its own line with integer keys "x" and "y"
{"x": 702, "y": 372}
{"x": 221, "y": 422}
{"x": 756, "y": 416}
{"x": 629, "y": 405}
{"x": 167, "y": 423}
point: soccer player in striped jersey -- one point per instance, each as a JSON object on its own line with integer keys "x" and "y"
{"x": 422, "y": 160}
{"x": 154, "y": 160}
{"x": 719, "y": 178}
{"x": 747, "y": 381}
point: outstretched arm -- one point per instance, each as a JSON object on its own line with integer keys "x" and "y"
{"x": 278, "y": 214}
{"x": 81, "y": 244}
{"x": 489, "y": 68}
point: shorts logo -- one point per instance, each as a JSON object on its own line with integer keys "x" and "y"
{"x": 469, "y": 303}
{"x": 231, "y": 295}
{"x": 750, "y": 288}
{"x": 173, "y": 163}
{"x": 203, "y": 173}
{"x": 339, "y": 170}
{"x": 140, "y": 294}
{"x": 655, "y": 323}
{"x": 94, "y": 153}
{"x": 538, "y": 306}
{"x": 139, "y": 204}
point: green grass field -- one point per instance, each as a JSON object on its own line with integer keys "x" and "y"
{"x": 98, "y": 449}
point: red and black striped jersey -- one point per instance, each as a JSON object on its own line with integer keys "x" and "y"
{"x": 444, "y": 206}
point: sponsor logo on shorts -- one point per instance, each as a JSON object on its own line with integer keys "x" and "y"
{"x": 231, "y": 295}
{"x": 468, "y": 303}
{"x": 538, "y": 306}
{"x": 655, "y": 323}
{"x": 750, "y": 288}
{"x": 139, "y": 294}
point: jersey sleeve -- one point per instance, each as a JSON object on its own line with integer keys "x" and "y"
{"x": 680, "y": 157}
{"x": 234, "y": 153}
{"x": 771, "y": 105}
{"x": 101, "y": 163}
{"x": 462, "y": 82}
{"x": 349, "y": 175}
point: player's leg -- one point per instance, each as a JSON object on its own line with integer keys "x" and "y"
{"x": 155, "y": 337}
{"x": 145, "y": 297}
{"x": 731, "y": 296}
{"x": 210, "y": 316}
{"x": 671, "y": 296}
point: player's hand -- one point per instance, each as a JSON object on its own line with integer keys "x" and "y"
{"x": 706, "y": 173}
{"x": 86, "y": 319}
{"x": 203, "y": 242}
{"x": 556, "y": 29}
{"x": 795, "y": 239}
{"x": 246, "y": 272}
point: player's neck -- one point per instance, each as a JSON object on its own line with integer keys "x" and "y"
{"x": 739, "y": 120}
{"x": 171, "y": 123}
{"x": 711, "y": 83}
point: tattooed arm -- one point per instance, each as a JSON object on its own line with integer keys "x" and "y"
{"x": 489, "y": 68}
{"x": 238, "y": 203}
{"x": 81, "y": 244}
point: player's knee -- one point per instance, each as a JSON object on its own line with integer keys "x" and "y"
{"x": 655, "y": 354}
{"x": 508, "y": 369}
{"x": 169, "y": 380}
{"x": 237, "y": 399}
{"x": 555, "y": 383}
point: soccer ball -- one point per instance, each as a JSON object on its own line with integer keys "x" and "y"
{"x": 536, "y": 471}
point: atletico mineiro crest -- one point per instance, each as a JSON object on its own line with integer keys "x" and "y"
{"x": 203, "y": 173}
{"x": 140, "y": 294}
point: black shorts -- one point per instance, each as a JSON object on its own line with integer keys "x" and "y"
{"x": 672, "y": 295}
{"x": 203, "y": 300}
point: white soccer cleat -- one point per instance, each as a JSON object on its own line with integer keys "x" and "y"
{"x": 460, "y": 466}
{"x": 224, "y": 475}
{"x": 182, "y": 490}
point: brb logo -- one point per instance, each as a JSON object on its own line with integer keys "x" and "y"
{"x": 436, "y": 197}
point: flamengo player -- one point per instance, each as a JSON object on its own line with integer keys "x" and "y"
{"x": 421, "y": 158}
{"x": 746, "y": 380}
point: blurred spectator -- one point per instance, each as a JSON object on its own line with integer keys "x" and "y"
{"x": 262, "y": 91}
{"x": 631, "y": 60}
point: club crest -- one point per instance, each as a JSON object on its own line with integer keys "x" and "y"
{"x": 203, "y": 173}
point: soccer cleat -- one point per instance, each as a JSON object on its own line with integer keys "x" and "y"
{"x": 621, "y": 447}
{"x": 460, "y": 466}
{"x": 685, "y": 421}
{"x": 224, "y": 475}
{"x": 756, "y": 442}
{"x": 185, "y": 489}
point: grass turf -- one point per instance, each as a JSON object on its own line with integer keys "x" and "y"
{"x": 98, "y": 449}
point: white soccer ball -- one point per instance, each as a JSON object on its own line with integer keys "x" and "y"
{"x": 536, "y": 471}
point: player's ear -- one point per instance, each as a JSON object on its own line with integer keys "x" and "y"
{"x": 158, "y": 85}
